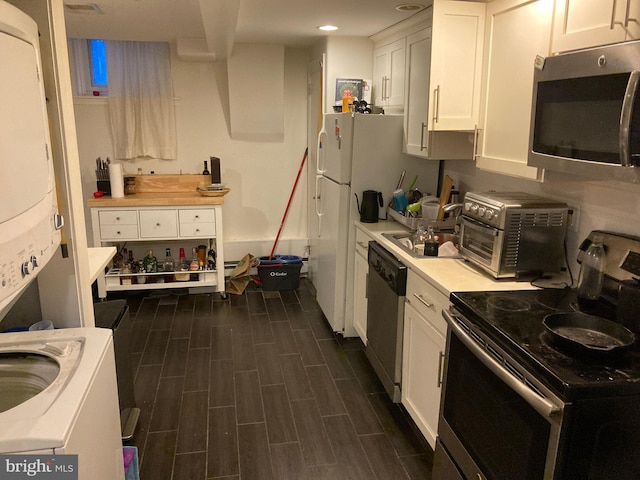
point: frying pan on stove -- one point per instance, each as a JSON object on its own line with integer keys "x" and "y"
{"x": 588, "y": 333}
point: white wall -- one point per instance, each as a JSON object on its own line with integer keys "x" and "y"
{"x": 260, "y": 174}
{"x": 612, "y": 206}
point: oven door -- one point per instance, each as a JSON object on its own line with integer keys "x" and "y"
{"x": 481, "y": 244}
{"x": 496, "y": 420}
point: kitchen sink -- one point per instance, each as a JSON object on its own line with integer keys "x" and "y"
{"x": 404, "y": 240}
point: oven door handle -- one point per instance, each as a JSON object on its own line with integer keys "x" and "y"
{"x": 539, "y": 404}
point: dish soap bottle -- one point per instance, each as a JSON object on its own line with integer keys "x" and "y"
{"x": 431, "y": 243}
{"x": 591, "y": 275}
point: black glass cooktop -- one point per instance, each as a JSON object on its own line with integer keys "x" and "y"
{"x": 514, "y": 320}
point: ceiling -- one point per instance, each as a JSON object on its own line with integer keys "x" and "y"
{"x": 223, "y": 22}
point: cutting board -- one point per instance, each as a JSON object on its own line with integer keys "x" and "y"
{"x": 445, "y": 193}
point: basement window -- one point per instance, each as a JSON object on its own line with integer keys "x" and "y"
{"x": 90, "y": 67}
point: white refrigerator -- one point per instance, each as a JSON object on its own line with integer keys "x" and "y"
{"x": 355, "y": 152}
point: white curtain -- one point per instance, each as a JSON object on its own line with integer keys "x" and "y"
{"x": 141, "y": 108}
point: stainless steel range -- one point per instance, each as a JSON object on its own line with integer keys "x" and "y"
{"x": 519, "y": 402}
{"x": 513, "y": 234}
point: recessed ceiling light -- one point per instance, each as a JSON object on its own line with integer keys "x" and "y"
{"x": 328, "y": 28}
{"x": 409, "y": 7}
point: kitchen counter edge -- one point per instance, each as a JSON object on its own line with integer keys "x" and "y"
{"x": 446, "y": 274}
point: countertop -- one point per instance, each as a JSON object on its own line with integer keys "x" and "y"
{"x": 446, "y": 274}
{"x": 159, "y": 199}
{"x": 99, "y": 257}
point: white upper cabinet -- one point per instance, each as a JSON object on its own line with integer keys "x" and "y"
{"x": 516, "y": 31}
{"x": 443, "y": 73}
{"x": 589, "y": 23}
{"x": 388, "y": 74}
{"x": 416, "y": 107}
{"x": 456, "y": 65}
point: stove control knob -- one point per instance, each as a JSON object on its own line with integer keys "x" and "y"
{"x": 488, "y": 214}
{"x": 467, "y": 206}
{"x": 474, "y": 208}
{"x": 481, "y": 211}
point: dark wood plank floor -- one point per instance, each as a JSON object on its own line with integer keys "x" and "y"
{"x": 257, "y": 386}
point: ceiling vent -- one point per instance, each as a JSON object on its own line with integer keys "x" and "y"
{"x": 83, "y": 8}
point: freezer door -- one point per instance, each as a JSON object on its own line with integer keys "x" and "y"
{"x": 335, "y": 147}
{"x": 332, "y": 209}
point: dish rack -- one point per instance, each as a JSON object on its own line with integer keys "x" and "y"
{"x": 413, "y": 222}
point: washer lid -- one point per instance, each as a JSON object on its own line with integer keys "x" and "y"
{"x": 46, "y": 420}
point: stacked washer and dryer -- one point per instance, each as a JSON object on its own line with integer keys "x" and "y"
{"x": 58, "y": 388}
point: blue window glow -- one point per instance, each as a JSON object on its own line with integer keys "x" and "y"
{"x": 98, "y": 63}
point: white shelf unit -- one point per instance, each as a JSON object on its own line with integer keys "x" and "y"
{"x": 170, "y": 226}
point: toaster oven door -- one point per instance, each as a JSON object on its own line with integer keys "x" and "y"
{"x": 481, "y": 244}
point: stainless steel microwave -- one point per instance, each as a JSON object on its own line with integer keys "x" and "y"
{"x": 585, "y": 118}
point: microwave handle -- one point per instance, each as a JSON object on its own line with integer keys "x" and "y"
{"x": 625, "y": 117}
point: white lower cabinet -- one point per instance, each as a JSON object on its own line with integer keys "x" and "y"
{"x": 424, "y": 343}
{"x": 361, "y": 273}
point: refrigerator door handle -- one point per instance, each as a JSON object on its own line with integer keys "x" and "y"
{"x": 317, "y": 200}
{"x": 320, "y": 153}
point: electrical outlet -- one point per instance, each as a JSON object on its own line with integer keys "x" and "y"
{"x": 574, "y": 219}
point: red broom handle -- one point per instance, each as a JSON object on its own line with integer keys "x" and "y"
{"x": 286, "y": 210}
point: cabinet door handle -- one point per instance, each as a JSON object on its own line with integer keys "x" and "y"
{"x": 423, "y": 301}
{"x": 117, "y": 219}
{"x": 436, "y": 104}
{"x": 422, "y": 145}
{"x": 157, "y": 224}
{"x": 366, "y": 282}
{"x": 440, "y": 369}
{"x": 197, "y": 217}
{"x": 476, "y": 135}
{"x": 362, "y": 244}
{"x": 624, "y": 24}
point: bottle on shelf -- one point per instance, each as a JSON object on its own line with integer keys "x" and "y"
{"x": 591, "y": 275}
{"x": 206, "y": 169}
{"x": 140, "y": 269}
{"x": 202, "y": 256}
{"x": 430, "y": 243}
{"x": 183, "y": 266}
{"x": 211, "y": 259}
{"x": 168, "y": 265}
{"x": 125, "y": 274}
{"x": 194, "y": 264}
{"x": 118, "y": 259}
{"x": 150, "y": 263}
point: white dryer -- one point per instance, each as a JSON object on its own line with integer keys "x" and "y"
{"x": 58, "y": 395}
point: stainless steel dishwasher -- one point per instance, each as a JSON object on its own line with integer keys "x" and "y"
{"x": 386, "y": 290}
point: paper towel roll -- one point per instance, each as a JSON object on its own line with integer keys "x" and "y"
{"x": 116, "y": 179}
